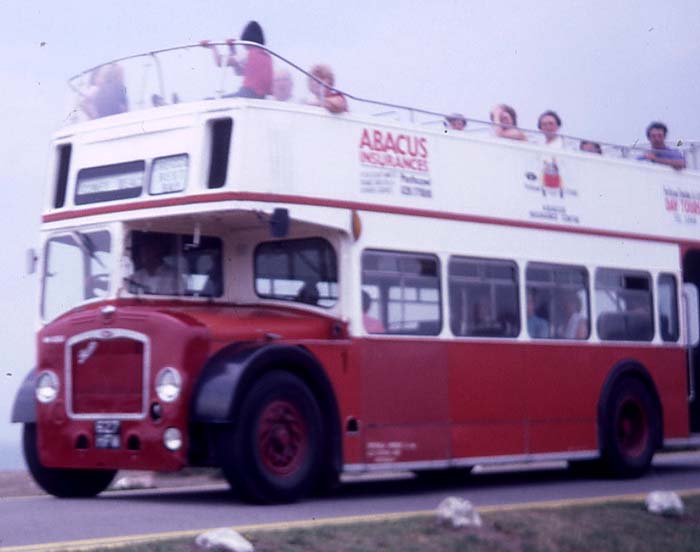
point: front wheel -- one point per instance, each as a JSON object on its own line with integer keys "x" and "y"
{"x": 632, "y": 426}
{"x": 272, "y": 451}
{"x": 62, "y": 482}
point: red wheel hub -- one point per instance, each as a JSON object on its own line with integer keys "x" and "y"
{"x": 282, "y": 438}
{"x": 632, "y": 427}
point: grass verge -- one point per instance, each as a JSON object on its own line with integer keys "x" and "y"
{"x": 622, "y": 526}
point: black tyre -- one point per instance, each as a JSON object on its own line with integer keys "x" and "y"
{"x": 272, "y": 451}
{"x": 631, "y": 429}
{"x": 62, "y": 482}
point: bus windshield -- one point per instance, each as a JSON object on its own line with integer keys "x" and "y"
{"x": 77, "y": 268}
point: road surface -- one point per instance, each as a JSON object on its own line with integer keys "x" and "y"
{"x": 44, "y": 519}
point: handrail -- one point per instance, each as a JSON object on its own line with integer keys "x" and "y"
{"x": 691, "y": 152}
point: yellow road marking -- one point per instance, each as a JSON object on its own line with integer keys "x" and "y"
{"x": 113, "y": 542}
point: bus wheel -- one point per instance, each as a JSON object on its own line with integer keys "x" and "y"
{"x": 62, "y": 482}
{"x": 632, "y": 429}
{"x": 272, "y": 451}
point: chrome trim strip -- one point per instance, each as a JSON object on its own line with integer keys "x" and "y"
{"x": 472, "y": 461}
{"x": 103, "y": 335}
{"x": 692, "y": 441}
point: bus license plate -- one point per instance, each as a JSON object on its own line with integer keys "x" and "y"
{"x": 107, "y": 434}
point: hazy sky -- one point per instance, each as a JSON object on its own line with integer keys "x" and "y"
{"x": 607, "y": 67}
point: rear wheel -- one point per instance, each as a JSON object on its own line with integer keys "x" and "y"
{"x": 62, "y": 482}
{"x": 272, "y": 452}
{"x": 631, "y": 430}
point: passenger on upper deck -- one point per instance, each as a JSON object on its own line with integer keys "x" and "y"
{"x": 590, "y": 147}
{"x": 325, "y": 96}
{"x": 456, "y": 121}
{"x": 660, "y": 152}
{"x": 256, "y": 68}
{"x": 506, "y": 123}
{"x": 549, "y": 123}
{"x": 106, "y": 94}
{"x": 282, "y": 85}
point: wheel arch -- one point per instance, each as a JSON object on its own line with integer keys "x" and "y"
{"x": 229, "y": 374}
{"x": 633, "y": 369}
{"x": 24, "y": 407}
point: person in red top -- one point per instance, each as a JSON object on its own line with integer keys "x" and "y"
{"x": 256, "y": 68}
{"x": 321, "y": 86}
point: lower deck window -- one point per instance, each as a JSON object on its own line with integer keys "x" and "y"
{"x": 175, "y": 264}
{"x": 302, "y": 270}
{"x": 483, "y": 298}
{"x": 401, "y": 293}
{"x": 624, "y": 305}
{"x": 557, "y": 302}
{"x": 668, "y": 307}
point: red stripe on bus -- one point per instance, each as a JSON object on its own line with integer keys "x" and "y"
{"x": 303, "y": 200}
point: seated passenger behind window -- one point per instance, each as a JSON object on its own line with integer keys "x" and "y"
{"x": 576, "y": 323}
{"x": 153, "y": 275}
{"x": 106, "y": 94}
{"x": 590, "y": 147}
{"x": 308, "y": 294}
{"x": 506, "y": 123}
{"x": 372, "y": 325}
{"x": 537, "y": 326}
{"x": 256, "y": 67}
{"x": 324, "y": 95}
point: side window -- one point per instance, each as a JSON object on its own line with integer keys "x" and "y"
{"x": 305, "y": 271}
{"x": 625, "y": 305}
{"x": 668, "y": 307}
{"x": 403, "y": 291}
{"x": 483, "y": 298}
{"x": 557, "y": 302}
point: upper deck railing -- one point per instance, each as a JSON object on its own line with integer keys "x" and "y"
{"x": 189, "y": 73}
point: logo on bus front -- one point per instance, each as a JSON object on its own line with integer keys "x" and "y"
{"x": 392, "y": 163}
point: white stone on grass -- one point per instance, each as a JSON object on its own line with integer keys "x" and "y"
{"x": 223, "y": 539}
{"x": 458, "y": 512}
{"x": 665, "y": 503}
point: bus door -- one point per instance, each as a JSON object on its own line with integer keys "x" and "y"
{"x": 691, "y": 276}
{"x": 405, "y": 409}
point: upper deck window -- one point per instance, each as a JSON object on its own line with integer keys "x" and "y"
{"x": 110, "y": 182}
{"x": 77, "y": 268}
{"x": 624, "y": 304}
{"x": 174, "y": 264}
{"x": 304, "y": 270}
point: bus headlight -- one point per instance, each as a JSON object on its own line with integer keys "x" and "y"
{"x": 46, "y": 389}
{"x": 172, "y": 439}
{"x": 168, "y": 384}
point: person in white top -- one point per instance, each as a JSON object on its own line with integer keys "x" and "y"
{"x": 154, "y": 276}
{"x": 576, "y": 323}
{"x": 549, "y": 123}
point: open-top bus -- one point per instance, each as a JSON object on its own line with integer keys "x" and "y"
{"x": 291, "y": 294}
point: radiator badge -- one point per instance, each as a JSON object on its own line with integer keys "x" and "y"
{"x": 86, "y": 353}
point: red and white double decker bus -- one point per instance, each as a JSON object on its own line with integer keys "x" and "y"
{"x": 291, "y": 294}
